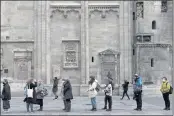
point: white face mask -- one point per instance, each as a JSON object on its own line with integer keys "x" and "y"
{"x": 164, "y": 80}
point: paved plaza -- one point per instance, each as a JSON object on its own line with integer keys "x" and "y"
{"x": 81, "y": 106}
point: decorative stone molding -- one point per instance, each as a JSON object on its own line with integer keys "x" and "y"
{"x": 65, "y": 10}
{"x": 104, "y": 10}
{"x": 17, "y": 41}
{"x": 153, "y": 45}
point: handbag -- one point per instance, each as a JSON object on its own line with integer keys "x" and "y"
{"x": 29, "y": 92}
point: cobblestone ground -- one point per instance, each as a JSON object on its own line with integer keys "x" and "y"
{"x": 81, "y": 106}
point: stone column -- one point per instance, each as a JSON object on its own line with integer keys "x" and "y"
{"x": 173, "y": 63}
{"x": 42, "y": 41}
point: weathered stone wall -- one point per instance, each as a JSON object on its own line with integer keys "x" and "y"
{"x": 7, "y": 58}
{"x": 152, "y": 11}
{"x": 65, "y": 28}
{"x": 162, "y": 34}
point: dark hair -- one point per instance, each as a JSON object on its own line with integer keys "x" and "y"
{"x": 92, "y": 79}
{"x": 164, "y": 78}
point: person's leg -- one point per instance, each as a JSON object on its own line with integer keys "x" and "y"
{"x": 68, "y": 103}
{"x": 127, "y": 95}
{"x": 165, "y": 101}
{"x": 95, "y": 104}
{"x": 64, "y": 104}
{"x": 168, "y": 101}
{"x": 31, "y": 106}
{"x": 41, "y": 104}
{"x": 110, "y": 103}
{"x": 140, "y": 101}
{"x": 105, "y": 100}
{"x": 27, "y": 105}
{"x": 92, "y": 104}
{"x": 136, "y": 99}
{"x": 123, "y": 94}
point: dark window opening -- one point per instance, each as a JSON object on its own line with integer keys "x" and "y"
{"x": 152, "y": 62}
{"x": 7, "y": 37}
{"x": 5, "y": 70}
{"x": 133, "y": 51}
{"x": 92, "y": 59}
{"x": 133, "y": 15}
{"x": 153, "y": 24}
{"x": 146, "y": 38}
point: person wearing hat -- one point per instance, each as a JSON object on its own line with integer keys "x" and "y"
{"x": 67, "y": 94}
{"x": 93, "y": 92}
{"x": 138, "y": 92}
{"x": 6, "y": 95}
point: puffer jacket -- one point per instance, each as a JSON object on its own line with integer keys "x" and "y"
{"x": 92, "y": 91}
{"x": 165, "y": 87}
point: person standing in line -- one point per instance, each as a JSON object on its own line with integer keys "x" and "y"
{"x": 6, "y": 95}
{"x": 31, "y": 84}
{"x": 108, "y": 90}
{"x": 165, "y": 88}
{"x": 125, "y": 89}
{"x": 61, "y": 94}
{"x": 40, "y": 94}
{"x": 55, "y": 87}
{"x": 92, "y": 92}
{"x": 138, "y": 92}
{"x": 67, "y": 94}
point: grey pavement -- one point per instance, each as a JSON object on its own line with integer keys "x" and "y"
{"x": 81, "y": 106}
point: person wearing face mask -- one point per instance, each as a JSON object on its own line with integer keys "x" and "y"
{"x": 6, "y": 95}
{"x": 165, "y": 88}
{"x": 138, "y": 92}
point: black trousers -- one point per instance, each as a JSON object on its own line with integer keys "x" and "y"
{"x": 109, "y": 100}
{"x": 39, "y": 102}
{"x": 125, "y": 92}
{"x": 166, "y": 100}
{"x": 67, "y": 104}
{"x": 138, "y": 98}
{"x": 105, "y": 100}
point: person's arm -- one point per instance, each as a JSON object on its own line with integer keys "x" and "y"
{"x": 94, "y": 85}
{"x": 168, "y": 86}
{"x": 66, "y": 87}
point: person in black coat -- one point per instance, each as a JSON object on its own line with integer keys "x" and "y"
{"x": 55, "y": 87}
{"x": 67, "y": 94}
{"x": 31, "y": 84}
{"x": 125, "y": 89}
{"x": 6, "y": 95}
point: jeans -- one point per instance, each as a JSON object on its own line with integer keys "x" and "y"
{"x": 166, "y": 100}
{"x": 31, "y": 106}
{"x": 67, "y": 105}
{"x": 109, "y": 100}
{"x": 93, "y": 102}
{"x": 125, "y": 92}
{"x": 105, "y": 100}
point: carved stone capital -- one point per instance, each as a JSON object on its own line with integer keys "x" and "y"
{"x": 65, "y": 10}
{"x": 103, "y": 10}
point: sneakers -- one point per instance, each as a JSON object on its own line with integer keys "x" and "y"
{"x": 104, "y": 108}
{"x": 93, "y": 109}
{"x": 138, "y": 109}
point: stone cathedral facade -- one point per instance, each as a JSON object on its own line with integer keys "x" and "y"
{"x": 44, "y": 39}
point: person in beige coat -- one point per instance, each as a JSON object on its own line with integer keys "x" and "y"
{"x": 92, "y": 92}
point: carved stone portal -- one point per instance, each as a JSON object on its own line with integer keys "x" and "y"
{"x": 22, "y": 65}
{"x": 110, "y": 62}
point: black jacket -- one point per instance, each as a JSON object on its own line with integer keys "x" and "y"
{"x": 32, "y": 86}
{"x": 67, "y": 90}
{"x": 125, "y": 86}
{"x": 6, "y": 92}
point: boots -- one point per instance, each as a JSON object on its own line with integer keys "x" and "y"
{"x": 41, "y": 108}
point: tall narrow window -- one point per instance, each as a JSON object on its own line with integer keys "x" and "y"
{"x": 92, "y": 59}
{"x": 133, "y": 51}
{"x": 153, "y": 24}
{"x": 152, "y": 62}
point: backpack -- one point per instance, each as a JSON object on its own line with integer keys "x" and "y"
{"x": 171, "y": 89}
{"x": 98, "y": 87}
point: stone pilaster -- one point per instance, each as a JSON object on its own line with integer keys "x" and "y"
{"x": 87, "y": 39}
{"x": 42, "y": 41}
{"x": 125, "y": 40}
{"x": 82, "y": 41}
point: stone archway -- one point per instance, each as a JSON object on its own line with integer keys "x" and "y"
{"x": 110, "y": 63}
